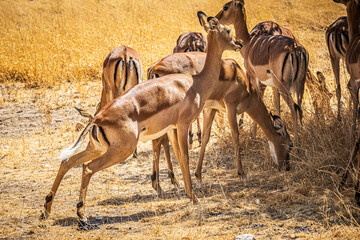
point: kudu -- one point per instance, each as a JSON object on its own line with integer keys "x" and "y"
{"x": 352, "y": 60}
{"x": 276, "y": 61}
{"x": 337, "y": 41}
{"x": 146, "y": 112}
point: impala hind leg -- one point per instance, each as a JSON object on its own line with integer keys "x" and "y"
{"x": 184, "y": 161}
{"x": 198, "y": 130}
{"x": 89, "y": 153}
{"x": 166, "y": 146}
{"x": 276, "y": 95}
{"x": 231, "y": 114}
{"x": 191, "y": 136}
{"x": 155, "y": 179}
{"x": 335, "y": 63}
{"x": 208, "y": 115}
{"x": 260, "y": 89}
{"x": 115, "y": 153}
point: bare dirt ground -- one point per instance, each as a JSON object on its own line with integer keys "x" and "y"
{"x": 36, "y": 123}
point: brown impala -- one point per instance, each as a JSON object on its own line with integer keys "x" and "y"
{"x": 191, "y": 42}
{"x": 276, "y": 61}
{"x": 352, "y": 60}
{"x": 337, "y": 40}
{"x": 233, "y": 97}
{"x": 145, "y": 112}
{"x": 122, "y": 70}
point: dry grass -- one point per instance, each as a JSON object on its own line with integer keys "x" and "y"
{"x": 50, "y": 62}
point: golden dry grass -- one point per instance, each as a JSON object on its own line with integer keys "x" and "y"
{"x": 51, "y": 55}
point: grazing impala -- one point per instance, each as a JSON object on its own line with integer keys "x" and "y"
{"x": 352, "y": 60}
{"x": 276, "y": 61}
{"x": 234, "y": 97}
{"x": 320, "y": 94}
{"x": 146, "y": 112}
{"x": 337, "y": 40}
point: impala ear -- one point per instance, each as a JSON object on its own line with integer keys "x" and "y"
{"x": 238, "y": 2}
{"x": 321, "y": 77}
{"x": 213, "y": 23}
{"x": 279, "y": 125}
{"x": 203, "y": 20}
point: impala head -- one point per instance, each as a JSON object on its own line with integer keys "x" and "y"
{"x": 223, "y": 33}
{"x": 230, "y": 10}
{"x": 280, "y": 153}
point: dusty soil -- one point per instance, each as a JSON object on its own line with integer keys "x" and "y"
{"x": 36, "y": 123}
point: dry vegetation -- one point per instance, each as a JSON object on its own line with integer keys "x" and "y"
{"x": 51, "y": 54}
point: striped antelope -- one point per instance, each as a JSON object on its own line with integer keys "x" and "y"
{"x": 276, "y": 61}
{"x": 337, "y": 41}
{"x": 146, "y": 112}
{"x": 234, "y": 96}
{"x": 352, "y": 60}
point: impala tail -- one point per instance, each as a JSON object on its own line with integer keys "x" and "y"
{"x": 66, "y": 153}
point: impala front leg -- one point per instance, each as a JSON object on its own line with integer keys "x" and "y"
{"x": 184, "y": 160}
{"x": 155, "y": 179}
{"x": 208, "y": 115}
{"x": 166, "y": 146}
{"x": 231, "y": 114}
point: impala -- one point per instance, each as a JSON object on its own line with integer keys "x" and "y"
{"x": 320, "y": 93}
{"x": 122, "y": 70}
{"x": 352, "y": 60}
{"x": 191, "y": 42}
{"x": 146, "y": 112}
{"x": 337, "y": 40}
{"x": 276, "y": 61}
{"x": 234, "y": 96}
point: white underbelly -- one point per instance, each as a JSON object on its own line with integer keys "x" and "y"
{"x": 268, "y": 82}
{"x": 145, "y": 136}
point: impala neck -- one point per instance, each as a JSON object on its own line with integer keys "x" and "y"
{"x": 241, "y": 29}
{"x": 353, "y": 13}
{"x": 209, "y": 76}
{"x": 259, "y": 113}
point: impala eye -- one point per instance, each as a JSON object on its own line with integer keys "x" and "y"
{"x": 229, "y": 31}
{"x": 226, "y": 8}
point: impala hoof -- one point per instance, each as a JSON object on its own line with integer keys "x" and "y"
{"x": 199, "y": 183}
{"x": 243, "y": 177}
{"x": 44, "y": 215}
{"x": 195, "y": 199}
{"x": 85, "y": 226}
